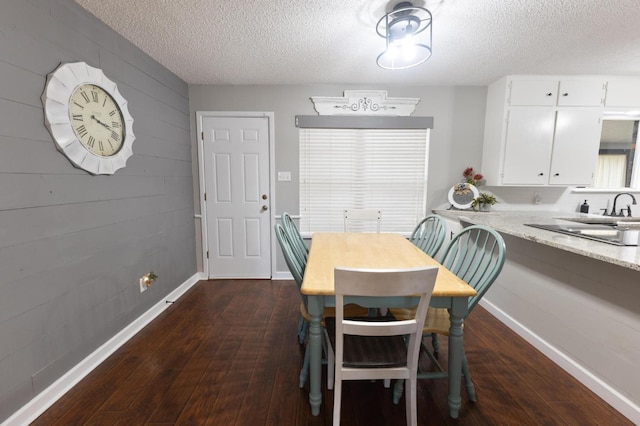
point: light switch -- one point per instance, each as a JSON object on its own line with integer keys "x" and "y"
{"x": 284, "y": 176}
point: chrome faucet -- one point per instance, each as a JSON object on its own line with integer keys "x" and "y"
{"x": 613, "y": 210}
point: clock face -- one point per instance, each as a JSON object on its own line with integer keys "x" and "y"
{"x": 96, "y": 120}
{"x": 88, "y": 118}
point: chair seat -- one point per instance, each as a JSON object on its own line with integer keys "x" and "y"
{"x": 437, "y": 320}
{"x": 370, "y": 351}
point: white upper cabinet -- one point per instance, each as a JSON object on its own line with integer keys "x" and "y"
{"x": 542, "y": 130}
{"x": 623, "y": 92}
{"x": 552, "y": 92}
{"x": 526, "y": 157}
{"x": 533, "y": 92}
{"x": 575, "y": 147}
{"x": 581, "y": 92}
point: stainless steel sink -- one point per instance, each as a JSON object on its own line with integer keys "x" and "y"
{"x": 604, "y": 233}
{"x": 605, "y": 220}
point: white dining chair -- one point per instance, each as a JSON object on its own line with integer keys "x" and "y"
{"x": 356, "y": 220}
{"x": 375, "y": 348}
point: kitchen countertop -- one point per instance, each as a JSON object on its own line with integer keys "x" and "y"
{"x": 512, "y": 223}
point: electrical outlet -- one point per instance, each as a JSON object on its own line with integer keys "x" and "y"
{"x": 144, "y": 284}
{"x": 537, "y": 199}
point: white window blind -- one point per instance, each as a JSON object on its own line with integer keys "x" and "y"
{"x": 384, "y": 169}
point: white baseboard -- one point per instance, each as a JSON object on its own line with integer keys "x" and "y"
{"x": 279, "y": 275}
{"x": 618, "y": 401}
{"x": 41, "y": 402}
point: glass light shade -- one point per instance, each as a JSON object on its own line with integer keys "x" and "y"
{"x": 408, "y": 33}
{"x": 402, "y": 57}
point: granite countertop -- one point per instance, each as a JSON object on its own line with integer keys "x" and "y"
{"x": 512, "y": 223}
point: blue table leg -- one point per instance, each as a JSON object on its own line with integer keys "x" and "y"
{"x": 457, "y": 312}
{"x": 315, "y": 308}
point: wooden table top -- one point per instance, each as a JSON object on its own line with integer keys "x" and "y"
{"x": 368, "y": 250}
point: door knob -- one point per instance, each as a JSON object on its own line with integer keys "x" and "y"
{"x": 264, "y": 196}
{"x": 265, "y": 208}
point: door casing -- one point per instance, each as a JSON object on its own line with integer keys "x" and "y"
{"x": 201, "y": 177}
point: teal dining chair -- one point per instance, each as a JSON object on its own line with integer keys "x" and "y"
{"x": 297, "y": 271}
{"x": 429, "y": 234}
{"x": 301, "y": 252}
{"x": 301, "y": 249}
{"x": 296, "y": 268}
{"x": 476, "y": 255}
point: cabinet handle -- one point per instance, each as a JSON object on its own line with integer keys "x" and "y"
{"x": 565, "y": 94}
{"x": 557, "y": 174}
{"x": 549, "y": 94}
{"x": 540, "y": 174}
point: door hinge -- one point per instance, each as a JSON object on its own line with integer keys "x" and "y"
{"x": 205, "y": 196}
{"x": 207, "y": 254}
{"x": 202, "y": 135}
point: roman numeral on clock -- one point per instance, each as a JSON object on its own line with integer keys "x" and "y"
{"x": 82, "y": 131}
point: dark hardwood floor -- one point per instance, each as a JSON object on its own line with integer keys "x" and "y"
{"x": 226, "y": 353}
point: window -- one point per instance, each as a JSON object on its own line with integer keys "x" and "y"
{"x": 342, "y": 168}
{"x": 618, "y": 165}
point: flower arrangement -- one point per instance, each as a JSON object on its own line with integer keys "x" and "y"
{"x": 475, "y": 179}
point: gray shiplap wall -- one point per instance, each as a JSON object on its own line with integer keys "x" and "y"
{"x": 72, "y": 245}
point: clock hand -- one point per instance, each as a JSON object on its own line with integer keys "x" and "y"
{"x": 100, "y": 122}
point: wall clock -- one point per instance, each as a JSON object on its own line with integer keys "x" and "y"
{"x": 461, "y": 195}
{"x": 88, "y": 118}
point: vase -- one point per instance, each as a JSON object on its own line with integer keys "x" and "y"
{"x": 484, "y": 207}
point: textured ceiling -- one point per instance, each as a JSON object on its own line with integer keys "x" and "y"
{"x": 247, "y": 42}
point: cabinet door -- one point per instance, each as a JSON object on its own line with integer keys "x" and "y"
{"x": 575, "y": 147}
{"x": 533, "y": 92}
{"x": 528, "y": 142}
{"x": 581, "y": 93}
{"x": 623, "y": 92}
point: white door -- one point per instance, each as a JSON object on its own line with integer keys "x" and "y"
{"x": 236, "y": 166}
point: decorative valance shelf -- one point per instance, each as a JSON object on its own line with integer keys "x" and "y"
{"x": 364, "y": 102}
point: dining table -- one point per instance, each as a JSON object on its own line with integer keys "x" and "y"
{"x": 378, "y": 251}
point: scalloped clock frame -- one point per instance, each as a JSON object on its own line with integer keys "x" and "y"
{"x": 364, "y": 102}
{"x": 56, "y": 100}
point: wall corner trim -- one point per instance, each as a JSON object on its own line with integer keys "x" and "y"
{"x": 41, "y": 402}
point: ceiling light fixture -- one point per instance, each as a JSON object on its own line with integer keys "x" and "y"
{"x": 407, "y": 31}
